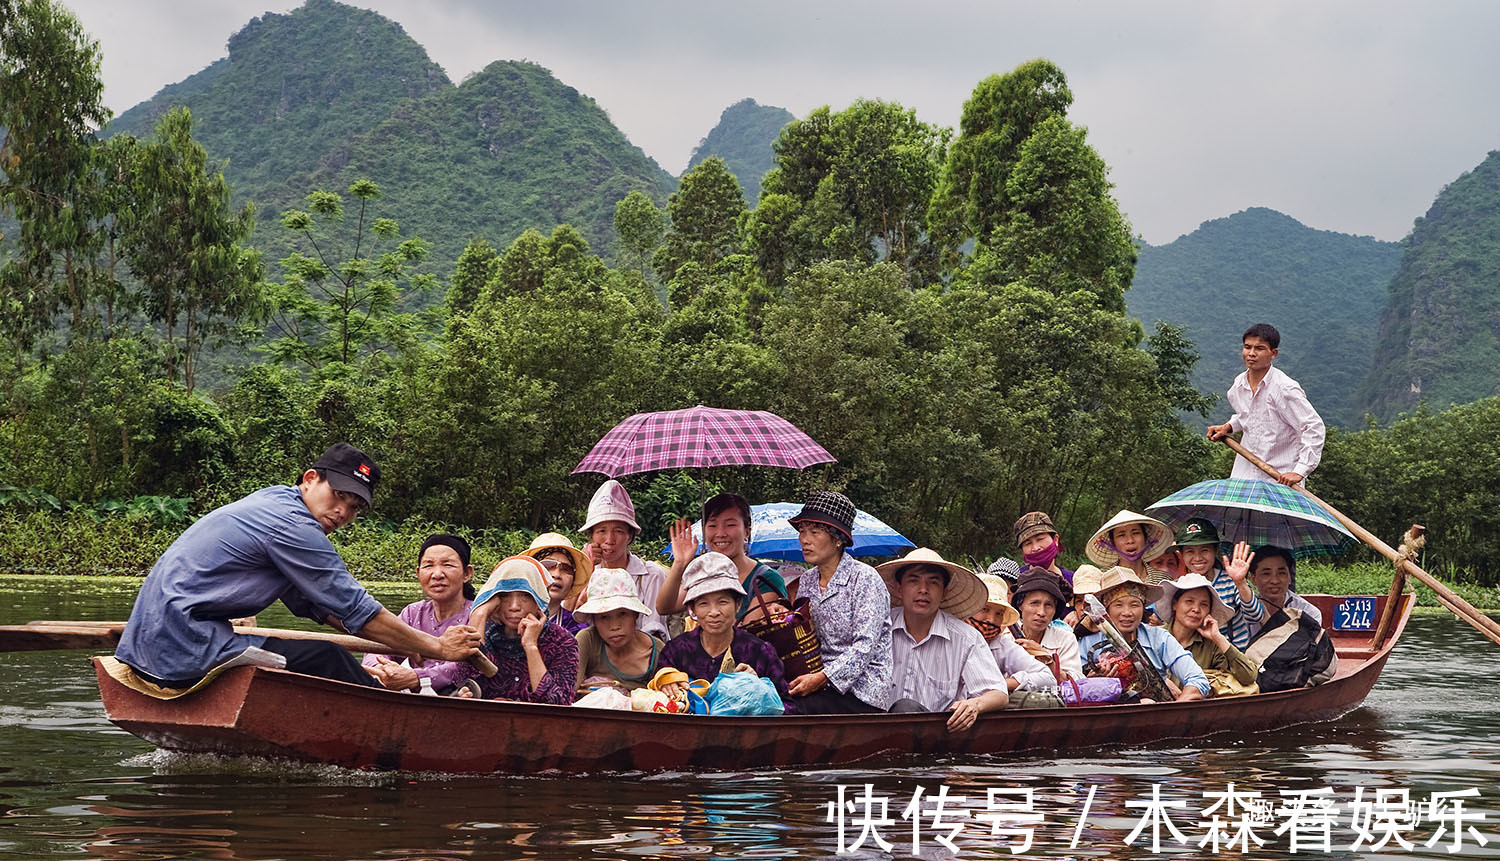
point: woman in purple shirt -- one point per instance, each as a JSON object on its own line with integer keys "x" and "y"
{"x": 445, "y": 575}
{"x": 714, "y": 593}
{"x": 537, "y": 660}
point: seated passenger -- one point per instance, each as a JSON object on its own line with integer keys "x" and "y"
{"x": 610, "y": 528}
{"x": 940, "y": 663}
{"x": 614, "y": 650}
{"x": 444, "y": 573}
{"x": 714, "y": 596}
{"x": 1085, "y": 583}
{"x": 1125, "y": 597}
{"x": 1198, "y": 542}
{"x": 568, "y": 571}
{"x": 1273, "y": 571}
{"x": 1021, "y": 669}
{"x": 1129, "y": 539}
{"x": 726, "y": 530}
{"x": 1040, "y": 544}
{"x": 1039, "y": 598}
{"x": 850, "y": 611}
{"x": 1194, "y": 613}
{"x": 538, "y": 662}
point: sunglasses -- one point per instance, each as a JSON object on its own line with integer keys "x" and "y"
{"x": 555, "y": 564}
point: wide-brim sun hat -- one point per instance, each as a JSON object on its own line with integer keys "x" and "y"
{"x": 1086, "y": 580}
{"x": 610, "y": 589}
{"x": 516, "y": 574}
{"x": 963, "y": 597}
{"x": 583, "y": 566}
{"x": 712, "y": 572}
{"x": 1119, "y": 576}
{"x": 1171, "y": 588}
{"x": 1158, "y": 538}
{"x": 611, "y": 502}
{"x": 997, "y": 593}
{"x": 829, "y": 508}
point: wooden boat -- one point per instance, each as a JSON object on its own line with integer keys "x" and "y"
{"x": 281, "y": 715}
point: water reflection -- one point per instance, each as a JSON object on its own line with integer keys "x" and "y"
{"x": 74, "y": 786}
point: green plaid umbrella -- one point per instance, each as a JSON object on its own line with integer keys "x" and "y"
{"x": 1257, "y": 513}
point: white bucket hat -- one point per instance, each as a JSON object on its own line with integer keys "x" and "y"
{"x": 611, "y": 502}
{"x": 1158, "y": 539}
{"x": 1170, "y": 588}
{"x": 712, "y": 572}
{"x": 609, "y": 589}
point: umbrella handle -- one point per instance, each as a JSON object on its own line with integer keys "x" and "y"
{"x": 1447, "y": 597}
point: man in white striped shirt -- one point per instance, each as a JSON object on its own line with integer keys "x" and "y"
{"x": 1279, "y": 423}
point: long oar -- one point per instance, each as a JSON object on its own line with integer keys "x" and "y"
{"x": 1447, "y": 597}
{"x": 48, "y": 634}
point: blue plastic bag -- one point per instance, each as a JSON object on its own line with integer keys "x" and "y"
{"x": 743, "y": 694}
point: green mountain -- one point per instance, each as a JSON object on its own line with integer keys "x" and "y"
{"x": 1322, "y": 290}
{"x": 743, "y": 139}
{"x": 327, "y": 93}
{"x": 1439, "y": 339}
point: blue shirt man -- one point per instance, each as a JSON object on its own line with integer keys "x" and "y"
{"x": 241, "y": 558}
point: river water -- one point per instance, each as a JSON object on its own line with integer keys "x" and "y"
{"x": 74, "y": 786}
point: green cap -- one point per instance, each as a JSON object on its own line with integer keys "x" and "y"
{"x": 1197, "y": 532}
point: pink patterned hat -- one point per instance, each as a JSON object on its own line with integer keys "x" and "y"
{"x": 609, "y": 589}
{"x": 611, "y": 502}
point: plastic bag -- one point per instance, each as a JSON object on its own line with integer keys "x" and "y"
{"x": 604, "y": 698}
{"x": 1091, "y": 691}
{"x": 743, "y": 694}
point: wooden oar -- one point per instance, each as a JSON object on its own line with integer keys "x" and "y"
{"x": 1447, "y": 597}
{"x": 57, "y": 634}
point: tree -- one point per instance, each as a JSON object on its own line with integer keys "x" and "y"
{"x": 475, "y": 267}
{"x": 640, "y": 227}
{"x": 704, "y": 213}
{"x": 971, "y": 198}
{"x": 185, "y": 243}
{"x": 851, "y": 185}
{"x": 50, "y": 105}
{"x": 1061, "y": 230}
{"x": 336, "y": 308}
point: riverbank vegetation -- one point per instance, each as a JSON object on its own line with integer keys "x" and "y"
{"x": 943, "y": 311}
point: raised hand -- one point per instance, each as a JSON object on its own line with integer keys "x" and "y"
{"x": 684, "y": 545}
{"x": 1238, "y": 565}
{"x": 531, "y": 630}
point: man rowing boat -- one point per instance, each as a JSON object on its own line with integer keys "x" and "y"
{"x": 271, "y": 545}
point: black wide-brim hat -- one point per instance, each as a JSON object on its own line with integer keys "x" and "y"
{"x": 829, "y": 508}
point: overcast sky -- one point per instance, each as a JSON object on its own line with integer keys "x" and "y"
{"x": 1348, "y": 115}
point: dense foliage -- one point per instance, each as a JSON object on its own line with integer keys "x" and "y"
{"x": 1322, "y": 290}
{"x": 1439, "y": 340}
{"x": 743, "y": 138}
{"x": 945, "y": 314}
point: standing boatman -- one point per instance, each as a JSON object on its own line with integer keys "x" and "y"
{"x": 240, "y": 558}
{"x": 1280, "y": 425}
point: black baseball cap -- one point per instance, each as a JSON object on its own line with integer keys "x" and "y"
{"x": 349, "y": 469}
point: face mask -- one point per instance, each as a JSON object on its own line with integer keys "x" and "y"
{"x": 1043, "y": 558}
{"x": 1131, "y": 558}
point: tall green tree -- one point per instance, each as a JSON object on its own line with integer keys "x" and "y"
{"x": 704, "y": 216}
{"x": 851, "y": 185}
{"x": 639, "y": 229}
{"x": 475, "y": 267}
{"x": 971, "y": 198}
{"x": 340, "y": 303}
{"x": 187, "y": 246}
{"x": 50, "y": 105}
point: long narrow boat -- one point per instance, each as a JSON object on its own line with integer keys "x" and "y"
{"x": 281, "y": 715}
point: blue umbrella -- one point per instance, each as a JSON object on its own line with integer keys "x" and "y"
{"x": 772, "y": 536}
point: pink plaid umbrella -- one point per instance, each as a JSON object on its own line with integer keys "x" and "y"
{"x": 699, "y": 437}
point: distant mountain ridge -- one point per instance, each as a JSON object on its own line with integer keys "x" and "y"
{"x": 743, "y": 138}
{"x": 1439, "y": 336}
{"x": 327, "y": 93}
{"x": 1322, "y": 290}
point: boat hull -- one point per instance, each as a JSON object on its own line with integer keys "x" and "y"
{"x": 271, "y": 713}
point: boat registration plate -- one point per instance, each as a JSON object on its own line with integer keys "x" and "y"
{"x": 1355, "y": 614}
